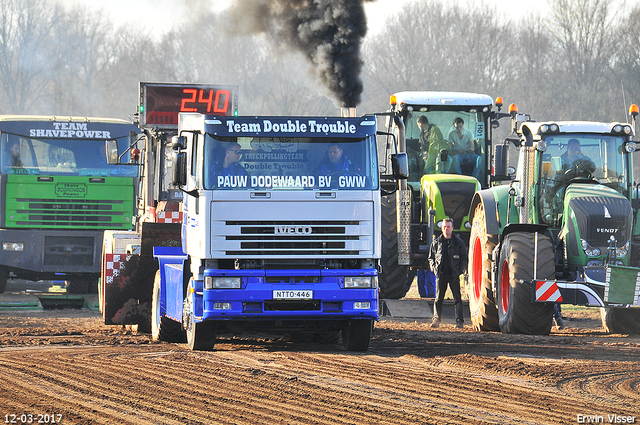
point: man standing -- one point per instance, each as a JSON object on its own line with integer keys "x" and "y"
{"x": 448, "y": 260}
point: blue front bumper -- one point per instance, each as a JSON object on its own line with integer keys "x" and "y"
{"x": 317, "y": 294}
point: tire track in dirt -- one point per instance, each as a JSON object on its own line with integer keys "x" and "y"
{"x": 411, "y": 374}
{"x": 620, "y": 389}
{"x": 77, "y": 382}
{"x": 192, "y": 395}
{"x": 401, "y": 385}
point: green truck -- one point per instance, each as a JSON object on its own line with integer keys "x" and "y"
{"x": 58, "y": 195}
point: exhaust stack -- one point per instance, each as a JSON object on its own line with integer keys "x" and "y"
{"x": 348, "y": 112}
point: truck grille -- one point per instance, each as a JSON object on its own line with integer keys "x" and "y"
{"x": 277, "y": 238}
{"x": 76, "y": 213}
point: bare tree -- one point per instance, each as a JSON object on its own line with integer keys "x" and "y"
{"x": 26, "y": 52}
{"x": 430, "y": 46}
{"x": 584, "y": 31}
{"x": 85, "y": 52}
{"x": 628, "y": 63}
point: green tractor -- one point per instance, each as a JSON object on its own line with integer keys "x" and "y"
{"x": 564, "y": 231}
{"x": 448, "y": 155}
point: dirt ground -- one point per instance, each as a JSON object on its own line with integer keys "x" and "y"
{"x": 67, "y": 365}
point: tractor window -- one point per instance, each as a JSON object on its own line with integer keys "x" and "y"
{"x": 576, "y": 158}
{"x": 449, "y": 142}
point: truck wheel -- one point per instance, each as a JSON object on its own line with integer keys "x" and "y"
{"x": 484, "y": 314}
{"x": 621, "y": 320}
{"x": 395, "y": 280}
{"x": 200, "y": 336}
{"x": 163, "y": 328}
{"x": 516, "y": 313}
{"x": 4, "y": 277}
{"x": 357, "y": 334}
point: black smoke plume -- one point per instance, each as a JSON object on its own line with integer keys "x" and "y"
{"x": 328, "y": 32}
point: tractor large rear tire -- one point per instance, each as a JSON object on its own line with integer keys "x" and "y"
{"x": 163, "y": 328}
{"x": 516, "y": 313}
{"x": 621, "y": 320}
{"x": 482, "y": 305}
{"x": 395, "y": 280}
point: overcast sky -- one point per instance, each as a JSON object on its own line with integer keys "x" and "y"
{"x": 162, "y": 15}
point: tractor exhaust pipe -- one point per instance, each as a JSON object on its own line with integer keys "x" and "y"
{"x": 348, "y": 112}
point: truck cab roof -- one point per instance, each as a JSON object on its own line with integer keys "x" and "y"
{"x": 443, "y": 98}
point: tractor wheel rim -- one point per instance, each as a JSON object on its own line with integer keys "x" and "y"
{"x": 476, "y": 273}
{"x": 504, "y": 286}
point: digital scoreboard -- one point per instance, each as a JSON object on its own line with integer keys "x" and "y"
{"x": 160, "y": 103}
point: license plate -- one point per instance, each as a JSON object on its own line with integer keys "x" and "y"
{"x": 292, "y": 295}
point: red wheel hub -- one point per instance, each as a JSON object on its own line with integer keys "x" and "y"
{"x": 476, "y": 273}
{"x": 504, "y": 286}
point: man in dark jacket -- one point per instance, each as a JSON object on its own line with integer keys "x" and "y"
{"x": 447, "y": 260}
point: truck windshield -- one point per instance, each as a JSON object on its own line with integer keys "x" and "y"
{"x": 461, "y": 133}
{"x": 579, "y": 157}
{"x": 26, "y": 155}
{"x": 256, "y": 163}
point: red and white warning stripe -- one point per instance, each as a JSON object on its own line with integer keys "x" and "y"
{"x": 169, "y": 217}
{"x": 113, "y": 264}
{"x": 547, "y": 291}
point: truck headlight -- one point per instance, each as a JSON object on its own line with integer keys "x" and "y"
{"x": 222, "y": 282}
{"x": 589, "y": 250}
{"x": 361, "y": 281}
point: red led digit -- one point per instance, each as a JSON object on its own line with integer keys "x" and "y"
{"x": 208, "y": 100}
{"x": 224, "y": 108}
{"x": 183, "y": 108}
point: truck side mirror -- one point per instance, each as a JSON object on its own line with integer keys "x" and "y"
{"x": 400, "y": 165}
{"x": 179, "y": 175}
{"x": 112, "y": 153}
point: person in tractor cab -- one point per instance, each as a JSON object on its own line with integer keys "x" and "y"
{"x": 435, "y": 149}
{"x": 575, "y": 163}
{"x": 464, "y": 149}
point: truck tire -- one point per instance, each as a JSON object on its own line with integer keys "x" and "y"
{"x": 516, "y": 313}
{"x": 201, "y": 336}
{"x": 395, "y": 280}
{"x": 357, "y": 334}
{"x": 621, "y": 320}
{"x": 4, "y": 277}
{"x": 482, "y": 305}
{"x": 163, "y": 328}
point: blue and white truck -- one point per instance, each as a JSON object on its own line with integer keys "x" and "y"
{"x": 286, "y": 240}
